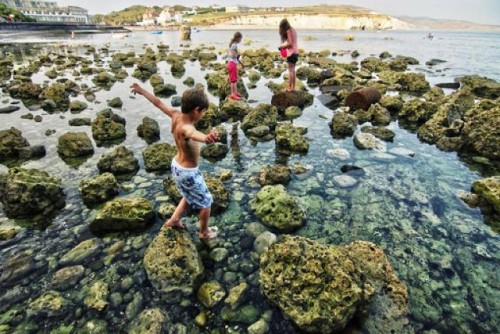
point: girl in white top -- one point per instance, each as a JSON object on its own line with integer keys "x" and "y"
{"x": 232, "y": 65}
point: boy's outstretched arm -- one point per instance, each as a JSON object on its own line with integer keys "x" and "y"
{"x": 136, "y": 89}
{"x": 191, "y": 133}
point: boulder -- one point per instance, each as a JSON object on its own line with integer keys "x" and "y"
{"x": 321, "y": 288}
{"x": 102, "y": 79}
{"x": 74, "y": 144}
{"x": 173, "y": 264}
{"x": 214, "y": 152}
{"x": 77, "y": 106}
{"x": 149, "y": 130}
{"x": 164, "y": 90}
{"x": 290, "y": 139}
{"x": 405, "y": 81}
{"x": 105, "y": 127}
{"x": 367, "y": 141}
{"x": 151, "y": 321}
{"x": 343, "y": 124}
{"x": 263, "y": 114}
{"x": 283, "y": 100}
{"x": 158, "y": 156}
{"x": 210, "y": 293}
{"x": 59, "y": 95}
{"x": 99, "y": 188}
{"x": 115, "y": 103}
{"x": 211, "y": 118}
{"x": 30, "y": 192}
{"x": 481, "y": 132}
{"x": 49, "y": 305}
{"x": 123, "y": 214}
{"x": 11, "y": 143}
{"x": 379, "y": 132}
{"x": 119, "y": 162}
{"x": 488, "y": 190}
{"x": 481, "y": 87}
{"x": 277, "y": 209}
{"x": 28, "y": 92}
{"x": 416, "y": 112}
{"x": 278, "y": 174}
{"x": 235, "y": 109}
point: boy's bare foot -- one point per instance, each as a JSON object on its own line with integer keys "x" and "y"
{"x": 210, "y": 234}
{"x": 176, "y": 223}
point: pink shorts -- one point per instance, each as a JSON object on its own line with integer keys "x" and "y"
{"x": 232, "y": 68}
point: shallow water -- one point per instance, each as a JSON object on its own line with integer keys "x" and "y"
{"x": 440, "y": 248}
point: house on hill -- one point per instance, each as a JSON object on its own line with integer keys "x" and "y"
{"x": 149, "y": 19}
{"x": 237, "y": 9}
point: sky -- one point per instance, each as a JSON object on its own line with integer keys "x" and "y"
{"x": 477, "y": 11}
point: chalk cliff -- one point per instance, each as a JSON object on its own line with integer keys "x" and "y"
{"x": 301, "y": 21}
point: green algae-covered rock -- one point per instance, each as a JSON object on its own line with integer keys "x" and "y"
{"x": 321, "y": 288}
{"x": 150, "y": 321}
{"x": 417, "y": 112}
{"x": 165, "y": 90}
{"x": 123, "y": 214}
{"x": 82, "y": 253}
{"x": 277, "y": 209}
{"x": 103, "y": 79}
{"x": 50, "y": 304}
{"x": 343, "y": 124}
{"x": 234, "y": 109}
{"x": 97, "y": 296}
{"x": 30, "y": 192}
{"x": 237, "y": 295}
{"x": 11, "y": 143}
{"x": 27, "y": 92}
{"x": 313, "y": 284}
{"x": 293, "y": 112}
{"x": 393, "y": 103}
{"x": 482, "y": 132}
{"x": 156, "y": 80}
{"x": 99, "y": 188}
{"x": 214, "y": 152}
{"x": 173, "y": 264}
{"x": 57, "y": 92}
{"x": 488, "y": 190}
{"x": 149, "y": 130}
{"x": 106, "y": 128}
{"x": 210, "y": 293}
{"x": 374, "y": 64}
{"x": 74, "y": 144}
{"x": 274, "y": 175}
{"x": 263, "y": 114}
{"x": 290, "y": 139}
{"x": 379, "y": 132}
{"x": 481, "y": 87}
{"x": 211, "y": 118}
{"x": 158, "y": 156}
{"x": 67, "y": 277}
{"x": 379, "y": 115}
{"x": 77, "y": 106}
{"x": 119, "y": 162}
{"x": 94, "y": 326}
{"x": 246, "y": 314}
{"x": 115, "y": 103}
{"x": 406, "y": 81}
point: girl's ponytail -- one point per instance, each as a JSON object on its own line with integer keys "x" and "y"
{"x": 237, "y": 35}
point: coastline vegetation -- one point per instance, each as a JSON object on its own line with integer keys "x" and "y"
{"x": 6, "y": 11}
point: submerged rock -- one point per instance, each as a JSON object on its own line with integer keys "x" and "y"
{"x": 290, "y": 139}
{"x": 214, "y": 152}
{"x": 321, "y": 288}
{"x": 367, "y": 141}
{"x": 30, "y": 193}
{"x": 123, "y": 214}
{"x": 274, "y": 175}
{"x": 151, "y": 321}
{"x": 50, "y": 304}
{"x": 173, "y": 264}
{"x": 67, "y": 277}
{"x": 277, "y": 209}
{"x": 210, "y": 293}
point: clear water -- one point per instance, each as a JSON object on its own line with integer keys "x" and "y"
{"x": 440, "y": 248}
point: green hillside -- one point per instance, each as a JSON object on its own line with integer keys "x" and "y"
{"x": 130, "y": 15}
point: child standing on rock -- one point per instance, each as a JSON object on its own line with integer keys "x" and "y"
{"x": 188, "y": 178}
{"x": 232, "y": 65}
{"x": 289, "y": 43}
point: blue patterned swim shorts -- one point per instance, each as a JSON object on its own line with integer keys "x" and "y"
{"x": 191, "y": 185}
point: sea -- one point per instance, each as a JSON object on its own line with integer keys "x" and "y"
{"x": 440, "y": 248}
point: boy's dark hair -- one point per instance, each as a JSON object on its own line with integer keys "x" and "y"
{"x": 193, "y": 98}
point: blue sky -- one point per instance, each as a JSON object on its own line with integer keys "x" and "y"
{"x": 478, "y": 11}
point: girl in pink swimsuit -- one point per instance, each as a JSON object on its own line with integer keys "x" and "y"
{"x": 289, "y": 42}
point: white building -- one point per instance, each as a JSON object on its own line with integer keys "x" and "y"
{"x": 148, "y": 19}
{"x": 167, "y": 16}
{"x": 237, "y": 9}
{"x": 48, "y": 11}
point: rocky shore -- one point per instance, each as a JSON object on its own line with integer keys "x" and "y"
{"x": 115, "y": 268}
